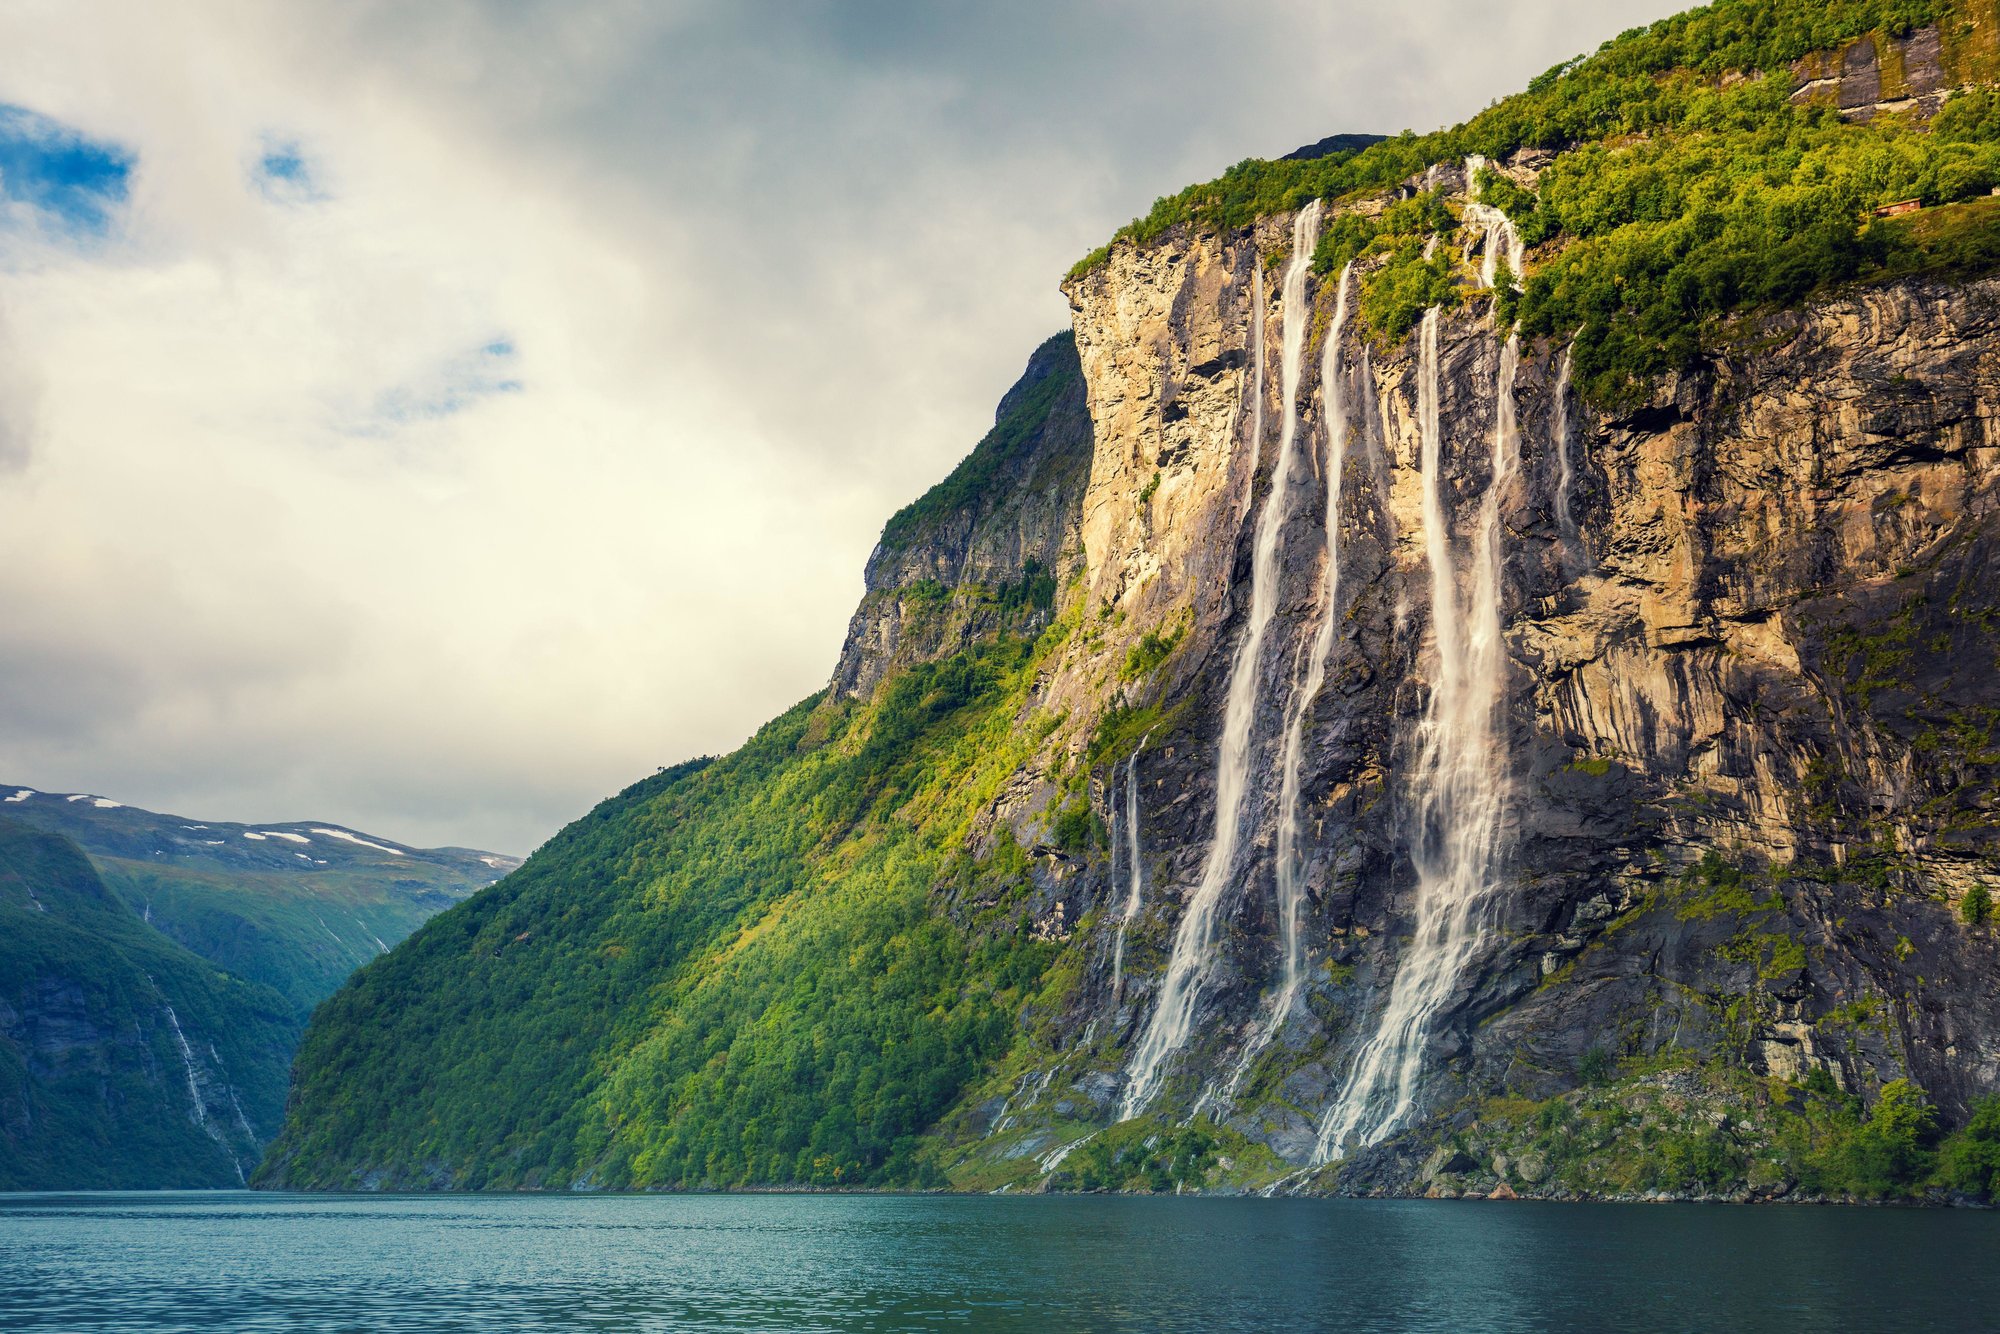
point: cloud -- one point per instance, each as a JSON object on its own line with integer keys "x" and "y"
{"x": 460, "y": 409}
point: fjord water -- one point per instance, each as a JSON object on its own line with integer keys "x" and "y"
{"x": 239, "y": 1261}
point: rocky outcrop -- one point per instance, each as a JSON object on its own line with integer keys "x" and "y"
{"x": 987, "y": 546}
{"x": 1879, "y": 73}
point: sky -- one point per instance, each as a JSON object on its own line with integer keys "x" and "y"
{"x": 433, "y": 418}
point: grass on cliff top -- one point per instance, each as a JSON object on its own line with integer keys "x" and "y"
{"x": 1678, "y": 192}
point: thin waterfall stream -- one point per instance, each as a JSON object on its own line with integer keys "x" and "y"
{"x": 1193, "y": 957}
{"x": 1288, "y": 873}
{"x": 1290, "y": 882}
{"x": 1459, "y": 781}
{"x": 1497, "y": 227}
{"x": 1135, "y": 879}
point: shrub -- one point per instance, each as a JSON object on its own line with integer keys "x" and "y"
{"x": 1969, "y": 1160}
{"x": 1977, "y": 905}
{"x": 1892, "y": 1148}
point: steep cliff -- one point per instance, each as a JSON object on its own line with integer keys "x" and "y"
{"x": 1748, "y": 708}
{"x": 1497, "y": 691}
{"x": 156, "y": 973}
{"x": 996, "y": 536}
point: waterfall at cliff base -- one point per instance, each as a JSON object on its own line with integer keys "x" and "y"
{"x": 1135, "y": 881}
{"x": 1192, "y": 960}
{"x": 1458, "y": 783}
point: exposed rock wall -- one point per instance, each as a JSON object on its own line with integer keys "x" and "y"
{"x": 1770, "y": 647}
{"x": 1006, "y": 517}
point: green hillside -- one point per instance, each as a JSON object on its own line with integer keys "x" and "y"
{"x": 733, "y": 972}
{"x": 126, "y": 1062}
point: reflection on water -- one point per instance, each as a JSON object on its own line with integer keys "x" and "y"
{"x": 239, "y": 1261}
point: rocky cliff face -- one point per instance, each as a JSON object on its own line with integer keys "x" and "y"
{"x": 1748, "y": 705}
{"x": 992, "y": 539}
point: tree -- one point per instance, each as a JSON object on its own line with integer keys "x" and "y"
{"x": 1893, "y": 1147}
{"x": 1977, "y": 905}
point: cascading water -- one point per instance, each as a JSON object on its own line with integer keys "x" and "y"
{"x": 1499, "y": 230}
{"x": 1290, "y": 886}
{"x": 1136, "y": 881}
{"x": 1291, "y": 890}
{"x": 1193, "y": 953}
{"x": 197, "y": 1111}
{"x": 1459, "y": 784}
{"x": 1565, "y": 473}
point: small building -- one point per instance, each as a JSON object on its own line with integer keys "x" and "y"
{"x": 1900, "y": 206}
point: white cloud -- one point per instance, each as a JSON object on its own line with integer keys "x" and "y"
{"x": 283, "y": 536}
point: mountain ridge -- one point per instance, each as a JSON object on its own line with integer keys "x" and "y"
{"x": 158, "y": 971}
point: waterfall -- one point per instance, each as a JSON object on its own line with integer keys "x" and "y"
{"x": 1137, "y": 882}
{"x": 1458, "y": 786}
{"x": 1291, "y": 891}
{"x": 1194, "y": 938}
{"x": 1498, "y": 227}
{"x": 1290, "y": 887}
{"x": 1565, "y": 475}
{"x": 198, "y": 1112}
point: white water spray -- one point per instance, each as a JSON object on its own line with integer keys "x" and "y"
{"x": 1498, "y": 228}
{"x": 1291, "y": 889}
{"x": 1136, "y": 880}
{"x": 1194, "y": 939}
{"x": 197, "y": 1111}
{"x": 1290, "y": 883}
{"x": 1459, "y": 784}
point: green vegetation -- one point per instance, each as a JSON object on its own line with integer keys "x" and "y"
{"x": 1715, "y": 887}
{"x": 300, "y": 934}
{"x": 107, "y": 1107}
{"x": 1679, "y": 193}
{"x": 1977, "y": 905}
{"x": 1013, "y": 436}
{"x": 731, "y": 974}
{"x": 1149, "y": 651}
{"x": 1716, "y": 1130}
{"x": 296, "y": 916}
{"x": 1142, "y": 1156}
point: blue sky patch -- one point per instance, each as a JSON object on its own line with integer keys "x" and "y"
{"x": 75, "y": 182}
{"x": 283, "y": 173}
{"x": 492, "y": 368}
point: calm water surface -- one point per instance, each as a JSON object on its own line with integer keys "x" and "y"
{"x": 239, "y": 1261}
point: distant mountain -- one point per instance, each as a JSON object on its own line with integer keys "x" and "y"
{"x": 1333, "y": 143}
{"x": 126, "y": 1061}
{"x": 297, "y": 906}
{"x": 156, "y": 973}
